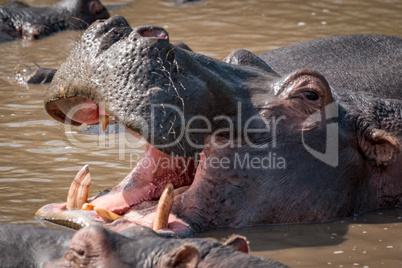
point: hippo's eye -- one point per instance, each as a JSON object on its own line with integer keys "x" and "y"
{"x": 311, "y": 95}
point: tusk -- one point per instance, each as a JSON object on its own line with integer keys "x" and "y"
{"x": 78, "y": 192}
{"x": 180, "y": 190}
{"x": 104, "y": 122}
{"x": 164, "y": 207}
{"x": 106, "y": 214}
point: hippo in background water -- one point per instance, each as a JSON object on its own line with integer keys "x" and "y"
{"x": 239, "y": 144}
{"x": 94, "y": 246}
{"x": 22, "y": 21}
{"x": 40, "y": 75}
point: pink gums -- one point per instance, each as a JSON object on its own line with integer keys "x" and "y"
{"x": 147, "y": 180}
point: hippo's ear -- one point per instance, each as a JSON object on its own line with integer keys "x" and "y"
{"x": 185, "y": 256}
{"x": 95, "y": 8}
{"x": 380, "y": 146}
{"x": 246, "y": 58}
{"x": 238, "y": 243}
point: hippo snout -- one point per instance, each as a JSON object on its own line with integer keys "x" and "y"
{"x": 116, "y": 28}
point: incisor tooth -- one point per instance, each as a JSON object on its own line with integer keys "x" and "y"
{"x": 78, "y": 192}
{"x": 88, "y": 206}
{"x": 164, "y": 207}
{"x": 104, "y": 122}
{"x": 106, "y": 214}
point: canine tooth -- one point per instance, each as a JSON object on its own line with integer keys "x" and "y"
{"x": 180, "y": 190}
{"x": 106, "y": 214}
{"x": 78, "y": 192}
{"x": 104, "y": 122}
{"x": 88, "y": 206}
{"x": 164, "y": 207}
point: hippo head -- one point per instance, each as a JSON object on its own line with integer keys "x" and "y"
{"x": 95, "y": 246}
{"x": 82, "y": 12}
{"x": 239, "y": 144}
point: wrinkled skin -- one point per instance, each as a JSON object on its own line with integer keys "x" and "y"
{"x": 22, "y": 21}
{"x": 94, "y": 246}
{"x": 315, "y": 170}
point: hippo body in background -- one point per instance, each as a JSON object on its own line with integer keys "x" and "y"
{"x": 31, "y": 246}
{"x": 94, "y": 246}
{"x": 18, "y": 20}
{"x": 256, "y": 148}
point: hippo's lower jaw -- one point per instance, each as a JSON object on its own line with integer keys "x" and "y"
{"x": 134, "y": 201}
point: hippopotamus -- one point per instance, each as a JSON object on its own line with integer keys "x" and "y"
{"x": 19, "y": 20}
{"x": 233, "y": 143}
{"x": 95, "y": 246}
{"x": 39, "y": 75}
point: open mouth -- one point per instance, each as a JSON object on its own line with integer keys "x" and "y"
{"x": 152, "y": 193}
{"x": 146, "y": 196}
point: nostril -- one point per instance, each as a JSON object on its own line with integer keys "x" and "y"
{"x": 153, "y": 31}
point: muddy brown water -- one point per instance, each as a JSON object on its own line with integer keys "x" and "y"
{"x": 39, "y": 156}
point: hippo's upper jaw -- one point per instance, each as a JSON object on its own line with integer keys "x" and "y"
{"x": 250, "y": 125}
{"x": 137, "y": 75}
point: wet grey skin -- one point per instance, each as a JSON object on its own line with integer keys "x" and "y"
{"x": 43, "y": 75}
{"x": 135, "y": 74}
{"x": 19, "y": 20}
{"x": 94, "y": 246}
{"x": 370, "y": 63}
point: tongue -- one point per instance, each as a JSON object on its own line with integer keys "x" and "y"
{"x": 147, "y": 180}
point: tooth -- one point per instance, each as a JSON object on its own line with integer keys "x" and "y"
{"x": 164, "y": 207}
{"x": 106, "y": 214}
{"x": 78, "y": 192}
{"x": 104, "y": 122}
{"x": 88, "y": 206}
{"x": 180, "y": 190}
{"x": 62, "y": 92}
